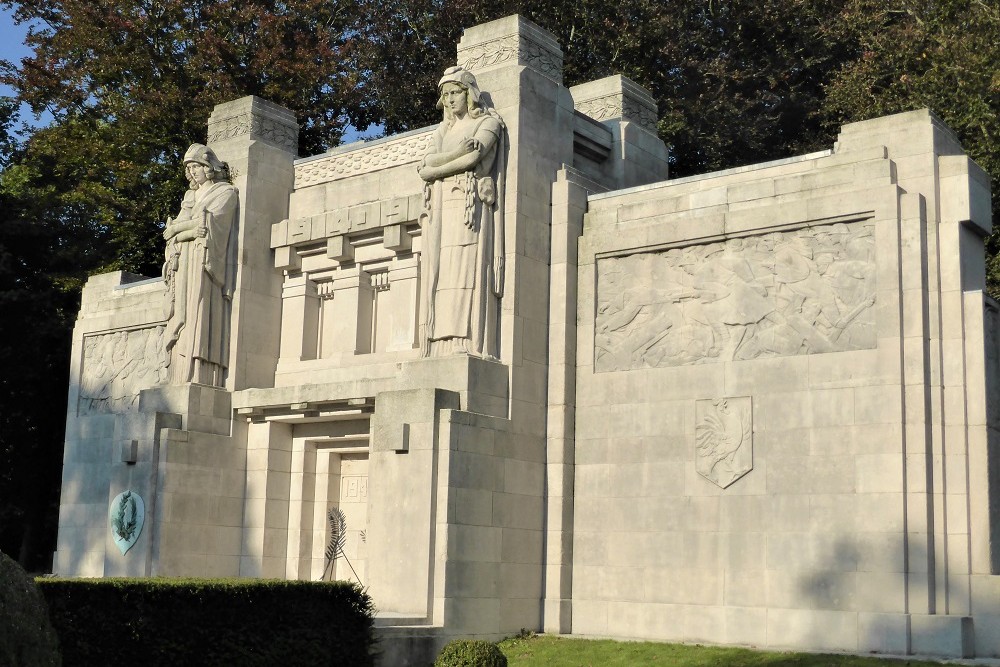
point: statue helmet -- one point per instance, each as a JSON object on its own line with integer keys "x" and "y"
{"x": 465, "y": 79}
{"x": 202, "y": 154}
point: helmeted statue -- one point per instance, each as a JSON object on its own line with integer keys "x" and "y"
{"x": 200, "y": 271}
{"x": 463, "y": 257}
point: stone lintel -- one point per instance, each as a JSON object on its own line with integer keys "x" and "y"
{"x": 616, "y": 98}
{"x": 512, "y": 40}
{"x": 256, "y": 119}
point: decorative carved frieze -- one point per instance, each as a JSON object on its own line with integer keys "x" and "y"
{"x": 786, "y": 293}
{"x": 118, "y": 365}
{"x": 257, "y": 126}
{"x": 518, "y": 48}
{"x": 362, "y": 160}
{"x": 723, "y": 439}
{"x": 620, "y": 106}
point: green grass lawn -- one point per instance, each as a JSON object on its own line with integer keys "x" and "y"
{"x": 541, "y": 651}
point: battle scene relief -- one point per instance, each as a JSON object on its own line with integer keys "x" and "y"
{"x": 118, "y": 365}
{"x": 806, "y": 291}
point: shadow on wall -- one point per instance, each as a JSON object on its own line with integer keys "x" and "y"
{"x": 869, "y": 572}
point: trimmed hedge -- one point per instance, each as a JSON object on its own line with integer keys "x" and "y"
{"x": 243, "y": 622}
{"x": 470, "y": 653}
{"x": 26, "y": 635}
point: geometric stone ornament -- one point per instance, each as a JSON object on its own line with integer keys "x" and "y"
{"x": 723, "y": 439}
{"x": 127, "y": 515}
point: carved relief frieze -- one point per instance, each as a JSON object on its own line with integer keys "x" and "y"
{"x": 362, "y": 161}
{"x": 118, "y": 365}
{"x": 512, "y": 47}
{"x": 258, "y": 126}
{"x": 785, "y": 293}
{"x": 619, "y": 106}
{"x": 723, "y": 439}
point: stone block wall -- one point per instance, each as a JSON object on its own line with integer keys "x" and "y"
{"x": 770, "y": 423}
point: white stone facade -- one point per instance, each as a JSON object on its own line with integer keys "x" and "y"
{"x": 753, "y": 407}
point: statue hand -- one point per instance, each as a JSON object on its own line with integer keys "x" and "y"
{"x": 201, "y": 232}
{"x": 472, "y": 144}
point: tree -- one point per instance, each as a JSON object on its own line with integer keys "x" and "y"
{"x": 130, "y": 84}
{"x": 944, "y": 55}
{"x": 37, "y": 314}
{"x": 737, "y": 82}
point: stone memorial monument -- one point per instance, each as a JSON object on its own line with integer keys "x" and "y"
{"x": 542, "y": 386}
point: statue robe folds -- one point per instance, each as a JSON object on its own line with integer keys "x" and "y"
{"x": 463, "y": 256}
{"x": 201, "y": 275}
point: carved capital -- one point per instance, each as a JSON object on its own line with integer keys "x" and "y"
{"x": 511, "y": 41}
{"x": 255, "y": 119}
{"x": 616, "y": 98}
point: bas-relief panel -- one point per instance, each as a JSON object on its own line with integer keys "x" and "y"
{"x": 785, "y": 293}
{"x": 118, "y": 365}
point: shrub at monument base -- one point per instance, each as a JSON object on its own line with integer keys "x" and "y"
{"x": 26, "y": 635}
{"x": 210, "y": 622}
{"x": 470, "y": 653}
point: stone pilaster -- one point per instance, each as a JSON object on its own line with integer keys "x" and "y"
{"x": 259, "y": 140}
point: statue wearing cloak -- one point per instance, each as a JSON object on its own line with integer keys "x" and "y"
{"x": 200, "y": 272}
{"x": 463, "y": 258}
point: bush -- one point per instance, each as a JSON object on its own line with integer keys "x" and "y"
{"x": 26, "y": 635}
{"x": 470, "y": 653}
{"x": 243, "y": 622}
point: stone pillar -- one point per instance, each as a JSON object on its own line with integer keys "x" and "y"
{"x": 629, "y": 111}
{"x": 259, "y": 140}
{"x": 518, "y": 66}
{"x": 300, "y": 314}
{"x": 401, "y": 304}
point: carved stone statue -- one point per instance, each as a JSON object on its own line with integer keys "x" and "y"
{"x": 463, "y": 224}
{"x": 200, "y": 271}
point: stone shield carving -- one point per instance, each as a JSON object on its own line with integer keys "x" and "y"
{"x": 724, "y": 439}
{"x": 127, "y": 515}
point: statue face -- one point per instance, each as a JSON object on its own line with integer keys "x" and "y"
{"x": 455, "y": 98}
{"x": 197, "y": 173}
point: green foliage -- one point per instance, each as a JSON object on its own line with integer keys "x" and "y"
{"x": 545, "y": 651}
{"x": 470, "y": 653}
{"x": 38, "y": 272}
{"x": 914, "y": 54}
{"x": 211, "y": 622}
{"x": 744, "y": 84}
{"x": 26, "y": 635}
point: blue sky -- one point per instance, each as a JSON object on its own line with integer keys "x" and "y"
{"x": 11, "y": 41}
{"x": 12, "y": 48}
